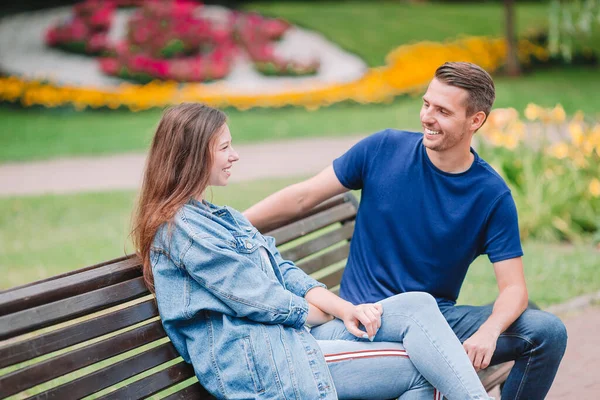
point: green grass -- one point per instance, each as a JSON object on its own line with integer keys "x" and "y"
{"x": 554, "y": 274}
{"x": 29, "y": 134}
{"x": 48, "y": 235}
{"x": 44, "y": 236}
{"x": 385, "y": 25}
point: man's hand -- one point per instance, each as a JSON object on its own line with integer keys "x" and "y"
{"x": 367, "y": 314}
{"x": 480, "y": 347}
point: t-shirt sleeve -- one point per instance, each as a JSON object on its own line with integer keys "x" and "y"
{"x": 352, "y": 166}
{"x": 502, "y": 239}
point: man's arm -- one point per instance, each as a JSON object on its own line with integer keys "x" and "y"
{"x": 510, "y": 304}
{"x": 295, "y": 199}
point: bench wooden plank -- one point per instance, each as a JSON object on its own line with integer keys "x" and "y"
{"x": 315, "y": 222}
{"x": 319, "y": 243}
{"x": 73, "y": 284}
{"x": 112, "y": 374}
{"x": 192, "y": 392}
{"x": 327, "y": 204}
{"x": 153, "y": 383}
{"x": 495, "y": 375}
{"x": 34, "y": 347}
{"x": 44, "y": 371}
{"x": 332, "y": 279}
{"x": 326, "y": 259}
{"x": 59, "y": 311}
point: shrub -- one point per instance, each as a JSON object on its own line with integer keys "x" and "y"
{"x": 552, "y": 166}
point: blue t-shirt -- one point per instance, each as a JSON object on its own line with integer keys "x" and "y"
{"x": 419, "y": 228}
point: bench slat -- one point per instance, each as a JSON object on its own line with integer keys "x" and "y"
{"x": 334, "y": 201}
{"x": 153, "y": 383}
{"x": 333, "y": 279}
{"x": 325, "y": 259}
{"x": 71, "y": 335}
{"x": 112, "y": 374}
{"x": 59, "y": 311}
{"x": 33, "y": 375}
{"x": 320, "y": 220}
{"x": 71, "y": 284}
{"x": 317, "y": 244}
{"x": 192, "y": 392}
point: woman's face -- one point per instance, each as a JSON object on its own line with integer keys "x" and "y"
{"x": 223, "y": 158}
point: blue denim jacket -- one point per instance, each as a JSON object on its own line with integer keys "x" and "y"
{"x": 238, "y": 320}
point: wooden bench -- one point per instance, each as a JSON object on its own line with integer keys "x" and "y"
{"x": 97, "y": 331}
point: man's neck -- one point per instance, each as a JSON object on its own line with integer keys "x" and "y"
{"x": 452, "y": 162}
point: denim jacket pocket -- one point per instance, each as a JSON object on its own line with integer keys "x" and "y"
{"x": 250, "y": 361}
{"x": 246, "y": 244}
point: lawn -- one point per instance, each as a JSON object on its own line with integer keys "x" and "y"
{"x": 30, "y": 134}
{"x": 48, "y": 235}
{"x": 385, "y": 25}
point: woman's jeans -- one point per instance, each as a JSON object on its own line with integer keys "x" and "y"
{"x": 536, "y": 341}
{"x": 435, "y": 354}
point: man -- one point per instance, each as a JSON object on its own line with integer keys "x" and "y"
{"x": 429, "y": 207}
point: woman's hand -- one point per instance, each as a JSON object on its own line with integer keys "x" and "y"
{"x": 368, "y": 314}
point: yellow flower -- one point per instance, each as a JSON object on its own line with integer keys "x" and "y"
{"x": 594, "y": 187}
{"x": 578, "y": 117}
{"x": 510, "y": 142}
{"x": 559, "y": 150}
{"x": 576, "y": 132}
{"x": 532, "y": 112}
{"x": 558, "y": 114}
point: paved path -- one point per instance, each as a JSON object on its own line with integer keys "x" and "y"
{"x": 299, "y": 157}
{"x": 579, "y": 374}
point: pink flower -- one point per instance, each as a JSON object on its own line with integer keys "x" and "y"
{"x": 108, "y": 65}
{"x": 97, "y": 42}
{"x": 78, "y": 30}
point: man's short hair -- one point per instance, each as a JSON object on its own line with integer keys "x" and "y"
{"x": 474, "y": 79}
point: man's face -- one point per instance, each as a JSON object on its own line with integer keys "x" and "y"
{"x": 444, "y": 117}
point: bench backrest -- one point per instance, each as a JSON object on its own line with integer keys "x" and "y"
{"x": 97, "y": 331}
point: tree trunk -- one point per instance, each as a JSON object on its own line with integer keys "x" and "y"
{"x": 512, "y": 61}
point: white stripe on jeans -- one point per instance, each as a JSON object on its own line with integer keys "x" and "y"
{"x": 330, "y": 358}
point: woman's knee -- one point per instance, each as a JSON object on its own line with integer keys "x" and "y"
{"x": 410, "y": 302}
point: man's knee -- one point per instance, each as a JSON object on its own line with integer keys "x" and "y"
{"x": 547, "y": 329}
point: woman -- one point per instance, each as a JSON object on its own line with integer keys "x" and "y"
{"x": 237, "y": 311}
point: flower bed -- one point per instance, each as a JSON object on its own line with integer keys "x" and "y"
{"x": 87, "y": 31}
{"x": 408, "y": 69}
{"x": 173, "y": 40}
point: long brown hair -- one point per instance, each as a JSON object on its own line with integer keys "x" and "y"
{"x": 177, "y": 168}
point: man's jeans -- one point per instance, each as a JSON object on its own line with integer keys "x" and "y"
{"x": 414, "y": 320}
{"x": 536, "y": 341}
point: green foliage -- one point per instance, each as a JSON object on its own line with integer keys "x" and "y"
{"x": 574, "y": 27}
{"x": 552, "y": 167}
